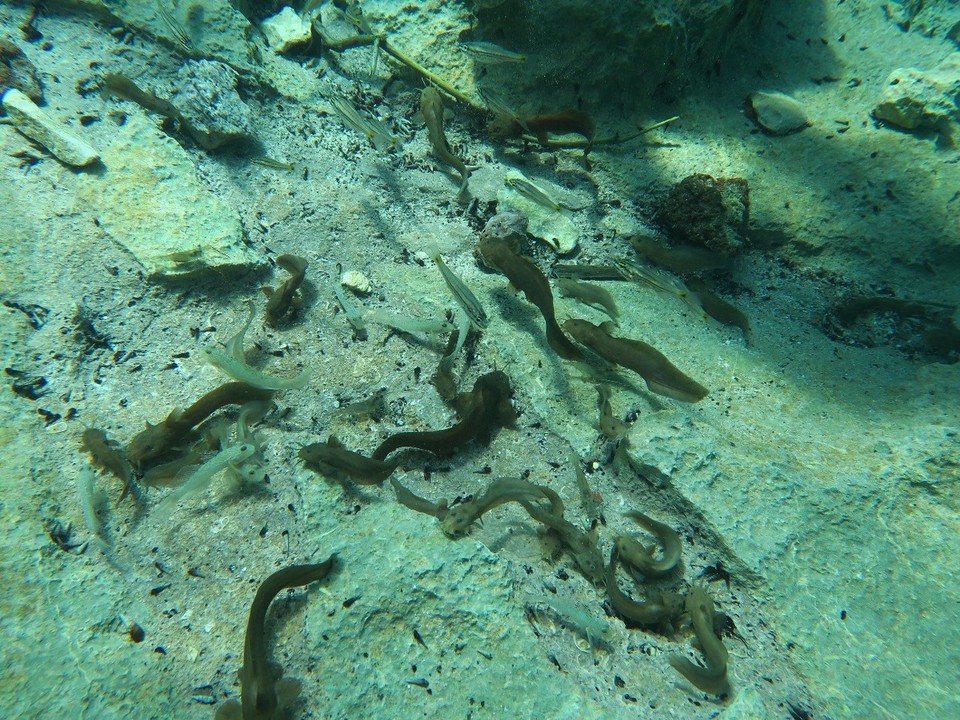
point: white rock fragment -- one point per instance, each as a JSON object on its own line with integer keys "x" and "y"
{"x": 777, "y": 113}
{"x": 552, "y": 226}
{"x": 356, "y": 281}
{"x": 37, "y": 125}
{"x": 916, "y": 99}
{"x": 286, "y": 30}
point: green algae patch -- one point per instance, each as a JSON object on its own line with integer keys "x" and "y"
{"x": 150, "y": 200}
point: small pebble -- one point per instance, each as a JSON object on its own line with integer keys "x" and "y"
{"x": 777, "y": 113}
{"x": 356, "y": 281}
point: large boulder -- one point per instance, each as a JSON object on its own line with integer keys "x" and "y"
{"x": 916, "y": 99}
{"x": 610, "y": 50}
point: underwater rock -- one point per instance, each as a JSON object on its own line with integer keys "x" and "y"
{"x": 16, "y": 71}
{"x": 216, "y": 30}
{"x": 649, "y": 46}
{"x": 286, "y": 30}
{"x": 916, "y": 99}
{"x": 151, "y": 202}
{"x": 549, "y": 224}
{"x": 709, "y": 212}
{"x": 930, "y": 19}
{"x": 777, "y": 113}
{"x": 55, "y": 137}
{"x": 746, "y": 704}
{"x": 207, "y": 98}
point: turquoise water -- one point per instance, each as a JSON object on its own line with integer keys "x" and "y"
{"x": 446, "y": 293}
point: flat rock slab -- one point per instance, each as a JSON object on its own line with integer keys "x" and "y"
{"x": 552, "y": 226}
{"x": 150, "y": 201}
{"x": 457, "y": 599}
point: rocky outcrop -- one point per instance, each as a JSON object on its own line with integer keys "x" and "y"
{"x": 611, "y": 50}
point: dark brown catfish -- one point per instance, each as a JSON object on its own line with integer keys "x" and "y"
{"x": 431, "y": 107}
{"x": 524, "y": 275}
{"x": 155, "y": 440}
{"x": 286, "y": 297}
{"x": 261, "y": 696}
{"x": 661, "y": 376}
{"x": 484, "y": 408}
{"x": 332, "y": 457}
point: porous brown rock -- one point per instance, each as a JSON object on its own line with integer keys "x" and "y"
{"x": 709, "y": 212}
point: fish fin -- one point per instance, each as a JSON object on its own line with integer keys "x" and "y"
{"x": 288, "y": 690}
{"x": 672, "y": 392}
{"x": 230, "y": 710}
